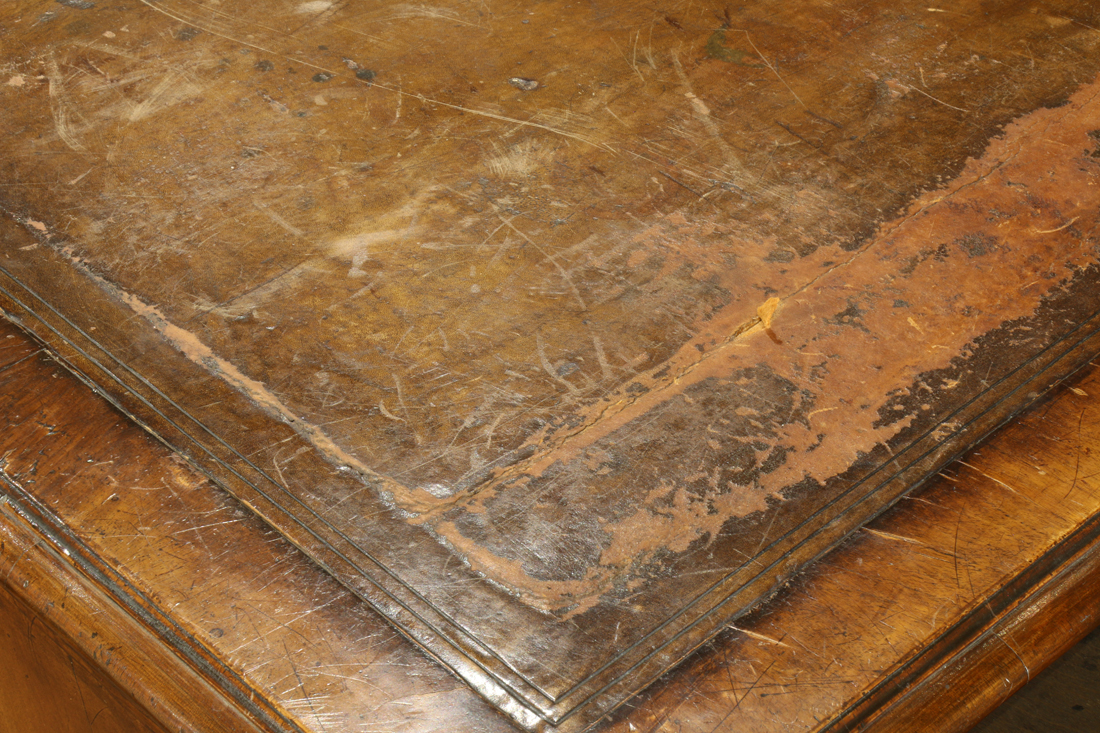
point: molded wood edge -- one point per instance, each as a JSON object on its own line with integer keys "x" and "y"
{"x": 40, "y": 570}
{"x": 994, "y": 650}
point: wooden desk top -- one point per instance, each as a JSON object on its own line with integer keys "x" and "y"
{"x": 561, "y": 356}
{"x": 925, "y": 619}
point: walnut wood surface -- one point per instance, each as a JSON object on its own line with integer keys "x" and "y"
{"x": 162, "y": 578}
{"x": 438, "y": 318}
{"x": 48, "y": 684}
{"x": 933, "y": 614}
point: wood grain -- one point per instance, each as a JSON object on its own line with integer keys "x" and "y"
{"x": 966, "y": 589}
{"x": 48, "y": 684}
{"x": 908, "y": 620}
{"x": 599, "y": 345}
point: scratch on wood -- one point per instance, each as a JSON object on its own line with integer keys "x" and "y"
{"x": 760, "y": 637}
{"x": 61, "y": 108}
{"x": 891, "y": 536}
{"x": 374, "y": 83}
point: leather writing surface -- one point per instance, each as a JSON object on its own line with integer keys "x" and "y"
{"x": 560, "y": 354}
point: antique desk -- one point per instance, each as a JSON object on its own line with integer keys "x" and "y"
{"x": 382, "y": 367}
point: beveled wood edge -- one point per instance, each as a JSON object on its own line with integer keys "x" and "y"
{"x": 165, "y": 670}
{"x": 1058, "y": 614}
{"x": 616, "y": 682}
{"x": 429, "y": 628}
{"x": 403, "y": 611}
{"x": 873, "y": 495}
{"x": 1061, "y": 587}
{"x": 1053, "y": 602}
